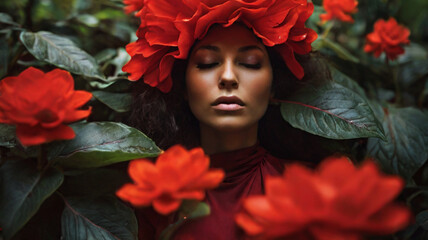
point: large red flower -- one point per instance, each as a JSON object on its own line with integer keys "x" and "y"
{"x": 387, "y": 36}
{"x": 40, "y": 104}
{"x": 170, "y": 27}
{"x": 337, "y": 201}
{"x": 133, "y": 5}
{"x": 177, "y": 174}
{"x": 339, "y": 9}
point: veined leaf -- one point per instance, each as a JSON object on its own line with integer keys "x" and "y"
{"x": 103, "y": 218}
{"x": 406, "y": 147}
{"x": 331, "y": 111}
{"x": 22, "y": 191}
{"x": 62, "y": 52}
{"x": 102, "y": 143}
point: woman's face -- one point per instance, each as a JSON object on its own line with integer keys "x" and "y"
{"x": 229, "y": 79}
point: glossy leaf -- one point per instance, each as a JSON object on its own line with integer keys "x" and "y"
{"x": 189, "y": 209}
{"x": 62, "y": 52}
{"x": 103, "y": 218}
{"x": 331, "y": 111}
{"x": 119, "y": 102}
{"x": 347, "y": 82}
{"x": 102, "y": 143}
{"x": 406, "y": 147}
{"x": 22, "y": 191}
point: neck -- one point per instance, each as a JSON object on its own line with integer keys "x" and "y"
{"x": 215, "y": 141}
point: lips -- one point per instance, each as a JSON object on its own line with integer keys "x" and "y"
{"x": 226, "y": 103}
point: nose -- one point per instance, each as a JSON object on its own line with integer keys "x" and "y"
{"x": 228, "y": 78}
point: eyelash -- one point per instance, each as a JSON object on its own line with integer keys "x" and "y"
{"x": 206, "y": 66}
{"x": 211, "y": 65}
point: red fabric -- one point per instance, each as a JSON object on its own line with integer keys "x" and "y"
{"x": 245, "y": 170}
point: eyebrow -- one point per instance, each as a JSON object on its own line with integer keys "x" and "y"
{"x": 241, "y": 49}
{"x": 248, "y": 48}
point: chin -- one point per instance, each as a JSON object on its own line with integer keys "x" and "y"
{"x": 231, "y": 125}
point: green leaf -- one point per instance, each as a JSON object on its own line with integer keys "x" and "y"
{"x": 347, "y": 82}
{"x": 119, "y": 102}
{"x": 4, "y": 55}
{"x": 7, "y": 135}
{"x": 331, "y": 111}
{"x": 189, "y": 209}
{"x": 98, "y": 218}
{"x": 406, "y": 147}
{"x": 422, "y": 219}
{"x": 7, "y": 19}
{"x": 88, "y": 20}
{"x": 102, "y": 143}
{"x": 62, "y": 52}
{"x": 22, "y": 192}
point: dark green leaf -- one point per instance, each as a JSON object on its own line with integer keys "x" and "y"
{"x": 100, "y": 218}
{"x": 88, "y": 20}
{"x": 422, "y": 219}
{"x": 189, "y": 209}
{"x": 120, "y": 60}
{"x": 62, "y": 52}
{"x": 331, "y": 111}
{"x": 413, "y": 71}
{"x": 406, "y": 147}
{"x": 102, "y": 143}
{"x": 4, "y": 56}
{"x": 119, "y": 102}
{"x": 7, "y": 136}
{"x": 105, "y": 55}
{"x": 7, "y": 19}
{"x": 22, "y": 190}
{"x": 347, "y": 82}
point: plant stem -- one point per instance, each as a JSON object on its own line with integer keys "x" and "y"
{"x": 330, "y": 25}
{"x": 395, "y": 81}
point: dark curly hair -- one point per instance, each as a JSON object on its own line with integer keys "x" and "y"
{"x": 167, "y": 119}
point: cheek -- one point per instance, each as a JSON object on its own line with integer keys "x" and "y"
{"x": 259, "y": 88}
{"x": 198, "y": 86}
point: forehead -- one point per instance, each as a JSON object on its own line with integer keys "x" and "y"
{"x": 234, "y": 35}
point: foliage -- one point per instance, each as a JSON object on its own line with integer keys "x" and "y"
{"x": 378, "y": 105}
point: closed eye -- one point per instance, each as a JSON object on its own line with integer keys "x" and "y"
{"x": 207, "y": 65}
{"x": 251, "y": 66}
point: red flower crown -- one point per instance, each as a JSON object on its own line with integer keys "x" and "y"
{"x": 170, "y": 27}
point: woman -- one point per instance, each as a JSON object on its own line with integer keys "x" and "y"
{"x": 218, "y": 93}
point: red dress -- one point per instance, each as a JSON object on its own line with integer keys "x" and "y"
{"x": 245, "y": 170}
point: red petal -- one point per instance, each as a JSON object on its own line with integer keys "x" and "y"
{"x": 166, "y": 205}
{"x": 289, "y": 59}
{"x": 135, "y": 195}
{"x": 36, "y": 135}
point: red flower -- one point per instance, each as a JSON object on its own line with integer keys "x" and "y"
{"x": 336, "y": 202}
{"x": 339, "y": 9}
{"x": 387, "y": 36}
{"x": 133, "y": 5}
{"x": 170, "y": 27}
{"x": 177, "y": 174}
{"x": 39, "y": 104}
